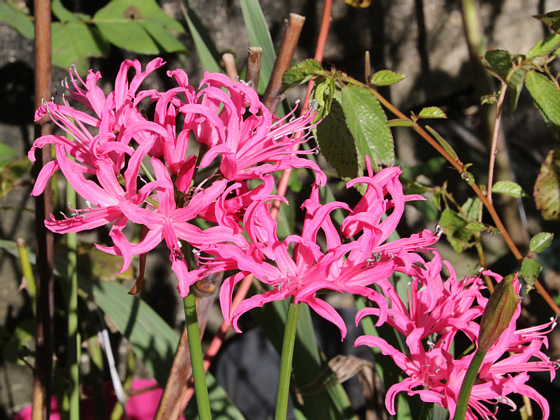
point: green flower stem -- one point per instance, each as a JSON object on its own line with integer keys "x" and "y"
{"x": 199, "y": 375}
{"x": 286, "y": 362}
{"x": 73, "y": 333}
{"x": 466, "y": 387}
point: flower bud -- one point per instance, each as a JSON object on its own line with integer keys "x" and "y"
{"x": 498, "y": 313}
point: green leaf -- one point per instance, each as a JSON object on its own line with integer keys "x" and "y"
{"x": 337, "y": 143}
{"x": 74, "y": 42}
{"x": 546, "y": 98}
{"x": 18, "y": 18}
{"x": 205, "y": 48}
{"x": 530, "y": 270}
{"x": 540, "y": 242}
{"x": 368, "y": 124}
{"x": 443, "y": 143}
{"x": 139, "y": 26}
{"x": 386, "y": 78}
{"x": 515, "y": 83}
{"x": 551, "y": 19}
{"x": 301, "y": 74}
{"x": 400, "y": 122}
{"x": 475, "y": 226}
{"x": 472, "y": 208}
{"x": 259, "y": 36}
{"x": 500, "y": 62}
{"x": 509, "y": 188}
{"x": 454, "y": 228}
{"x": 432, "y": 112}
{"x": 544, "y": 47}
{"x": 547, "y": 187}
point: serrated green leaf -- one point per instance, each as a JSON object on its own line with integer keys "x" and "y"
{"x": 17, "y": 18}
{"x": 475, "y": 226}
{"x": 259, "y": 36}
{"x": 74, "y": 42}
{"x": 544, "y": 47}
{"x": 530, "y": 270}
{"x": 454, "y": 228}
{"x": 300, "y": 74}
{"x": 540, "y": 242}
{"x": 500, "y": 62}
{"x": 386, "y": 78}
{"x": 432, "y": 112}
{"x": 546, "y": 98}
{"x": 551, "y": 19}
{"x": 337, "y": 144}
{"x": 443, "y": 143}
{"x": 547, "y": 187}
{"x": 139, "y": 26}
{"x": 368, "y": 124}
{"x": 509, "y": 188}
{"x": 323, "y": 94}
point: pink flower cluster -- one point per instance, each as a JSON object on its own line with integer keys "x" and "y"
{"x": 435, "y": 313}
{"x": 131, "y": 169}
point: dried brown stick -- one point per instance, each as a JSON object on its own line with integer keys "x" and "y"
{"x": 43, "y": 207}
{"x": 272, "y": 97}
{"x": 229, "y": 64}
{"x": 254, "y": 60}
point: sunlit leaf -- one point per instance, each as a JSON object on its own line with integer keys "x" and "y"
{"x": 540, "y": 242}
{"x": 500, "y": 62}
{"x": 508, "y": 188}
{"x": 386, "y": 78}
{"x": 300, "y": 74}
{"x": 547, "y": 187}
{"x": 432, "y": 112}
{"x": 18, "y": 18}
{"x": 368, "y": 124}
{"x": 546, "y": 98}
{"x": 530, "y": 270}
{"x": 544, "y": 47}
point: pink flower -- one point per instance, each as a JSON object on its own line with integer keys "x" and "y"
{"x": 299, "y": 267}
{"x": 435, "y": 313}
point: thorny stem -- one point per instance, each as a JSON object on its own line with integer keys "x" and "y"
{"x": 460, "y": 167}
{"x": 495, "y": 135}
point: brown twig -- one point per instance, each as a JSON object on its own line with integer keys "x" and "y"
{"x": 272, "y": 96}
{"x": 229, "y": 64}
{"x": 43, "y": 207}
{"x": 254, "y": 60}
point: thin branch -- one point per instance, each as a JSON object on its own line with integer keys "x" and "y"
{"x": 43, "y": 207}
{"x": 272, "y": 97}
{"x": 254, "y": 60}
{"x": 495, "y": 136}
{"x": 229, "y": 63}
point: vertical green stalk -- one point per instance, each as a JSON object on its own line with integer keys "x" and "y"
{"x": 199, "y": 375}
{"x": 286, "y": 362}
{"x": 73, "y": 333}
{"x": 468, "y": 382}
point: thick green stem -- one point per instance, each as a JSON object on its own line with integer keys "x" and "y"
{"x": 199, "y": 376}
{"x": 73, "y": 333}
{"x": 466, "y": 387}
{"x": 286, "y": 362}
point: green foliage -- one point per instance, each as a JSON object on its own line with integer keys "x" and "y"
{"x": 509, "y": 188}
{"x": 301, "y": 73}
{"x": 443, "y": 143}
{"x": 136, "y": 25}
{"x": 454, "y": 227}
{"x": 544, "y": 47}
{"x": 547, "y": 187}
{"x": 368, "y": 124}
{"x": 540, "y": 242}
{"x": 431, "y": 112}
{"x": 530, "y": 270}
{"x": 546, "y": 98}
{"x": 386, "y": 78}
{"x": 500, "y": 62}
{"x": 551, "y": 19}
